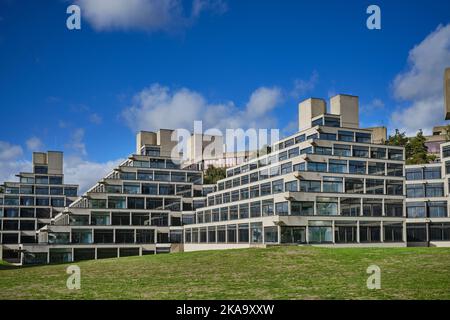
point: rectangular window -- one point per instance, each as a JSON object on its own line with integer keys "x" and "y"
{"x": 393, "y": 208}
{"x": 345, "y": 136}
{"x": 243, "y": 233}
{"x": 282, "y": 208}
{"x": 342, "y": 150}
{"x": 256, "y": 232}
{"x": 357, "y": 167}
{"x": 395, "y": 154}
{"x": 309, "y": 186}
{"x": 434, "y": 190}
{"x": 267, "y": 207}
{"x": 415, "y": 191}
{"x": 255, "y": 209}
{"x": 291, "y": 186}
{"x": 286, "y": 168}
{"x": 350, "y": 207}
{"x": 277, "y": 186}
{"x": 323, "y": 150}
{"x": 136, "y": 203}
{"x": 360, "y": 152}
{"x": 374, "y": 186}
{"x": 231, "y": 233}
{"x": 337, "y": 166}
{"x": 318, "y": 234}
{"x": 154, "y": 203}
{"x": 332, "y": 184}
{"x": 131, "y": 188}
{"x": 328, "y": 136}
{"x": 353, "y": 185}
{"x": 432, "y": 173}
{"x": 317, "y": 166}
{"x": 414, "y": 174}
{"x": 302, "y": 208}
{"x": 266, "y": 189}
{"x": 378, "y": 153}
{"x": 372, "y": 207}
{"x": 243, "y": 211}
{"x": 415, "y": 210}
{"x": 293, "y": 152}
{"x": 394, "y": 187}
{"x": 326, "y": 206}
{"x": 363, "y": 137}
{"x": 376, "y": 168}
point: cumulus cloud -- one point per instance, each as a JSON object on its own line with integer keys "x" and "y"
{"x": 180, "y": 108}
{"x": 421, "y": 85}
{"x": 302, "y": 87}
{"x": 85, "y": 173}
{"x": 76, "y": 142}
{"x": 144, "y": 15}
{"x": 34, "y": 144}
{"x": 11, "y": 162}
{"x": 95, "y": 118}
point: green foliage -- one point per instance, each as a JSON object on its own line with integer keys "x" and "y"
{"x": 213, "y": 174}
{"x": 416, "y": 152}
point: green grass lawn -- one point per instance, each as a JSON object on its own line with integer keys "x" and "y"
{"x": 273, "y": 273}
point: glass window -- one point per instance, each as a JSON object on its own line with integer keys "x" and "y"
{"x": 231, "y": 233}
{"x": 363, "y": 137}
{"x": 302, "y": 208}
{"x": 243, "y": 211}
{"x": 332, "y": 184}
{"x": 309, "y": 186}
{"x": 437, "y": 209}
{"x": 255, "y": 209}
{"x": 131, "y": 188}
{"x": 393, "y": 208}
{"x": 434, "y": 190}
{"x": 328, "y": 136}
{"x": 271, "y": 234}
{"x": 277, "y": 186}
{"x": 318, "y": 234}
{"x": 291, "y": 186}
{"x": 150, "y": 188}
{"x": 282, "y": 208}
{"x": 166, "y": 189}
{"x": 337, "y": 166}
{"x": 266, "y": 189}
{"x": 136, "y": 203}
{"x": 360, "y": 152}
{"x": 374, "y": 186}
{"x": 395, "y": 154}
{"x": 345, "y": 136}
{"x": 432, "y": 173}
{"x": 267, "y": 207}
{"x": 378, "y": 153}
{"x": 414, "y": 174}
{"x": 326, "y": 206}
{"x": 300, "y": 138}
{"x": 323, "y": 150}
{"x": 286, "y": 168}
{"x": 243, "y": 233}
{"x": 342, "y": 150}
{"x": 394, "y": 169}
{"x": 317, "y": 166}
{"x": 372, "y": 207}
{"x": 332, "y": 122}
{"x": 351, "y": 207}
{"x": 376, "y": 168}
{"x": 353, "y": 185}
{"x": 357, "y": 167}
{"x": 145, "y": 175}
{"x": 415, "y": 191}
{"x": 394, "y": 187}
{"x": 293, "y": 152}
{"x": 415, "y": 210}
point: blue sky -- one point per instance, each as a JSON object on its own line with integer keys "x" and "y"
{"x": 227, "y": 62}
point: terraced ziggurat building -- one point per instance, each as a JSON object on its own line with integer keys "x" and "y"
{"x": 331, "y": 184}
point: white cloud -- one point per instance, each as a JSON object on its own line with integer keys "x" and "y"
{"x": 76, "y": 143}
{"x": 9, "y": 152}
{"x": 86, "y": 173}
{"x": 263, "y": 100}
{"x": 10, "y": 162}
{"x": 95, "y": 118}
{"x": 158, "y": 105}
{"x": 146, "y": 15}
{"x": 421, "y": 85}
{"x": 374, "y": 105}
{"x": 302, "y": 87}
{"x": 34, "y": 144}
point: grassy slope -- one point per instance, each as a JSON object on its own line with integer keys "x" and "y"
{"x": 274, "y": 273}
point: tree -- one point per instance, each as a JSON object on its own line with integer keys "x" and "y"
{"x": 213, "y": 174}
{"x": 416, "y": 152}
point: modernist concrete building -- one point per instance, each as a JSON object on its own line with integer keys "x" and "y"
{"x": 329, "y": 184}
{"x": 31, "y": 203}
{"x": 427, "y": 201}
{"x": 139, "y": 208}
